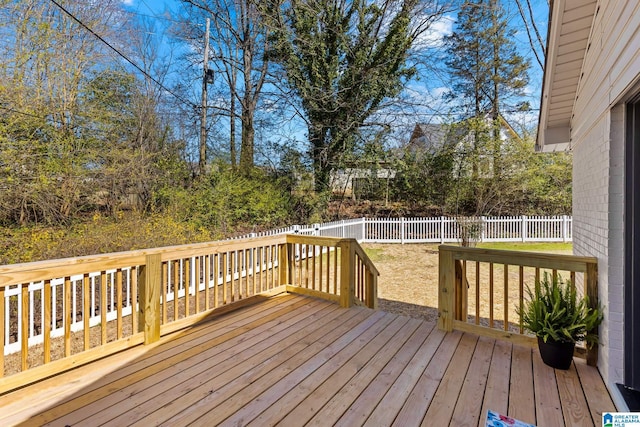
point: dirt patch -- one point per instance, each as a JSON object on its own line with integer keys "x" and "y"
{"x": 408, "y": 282}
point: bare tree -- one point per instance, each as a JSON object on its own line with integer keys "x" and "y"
{"x": 239, "y": 40}
{"x": 530, "y": 26}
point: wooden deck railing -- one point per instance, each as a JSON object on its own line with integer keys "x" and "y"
{"x": 58, "y": 314}
{"x": 480, "y": 289}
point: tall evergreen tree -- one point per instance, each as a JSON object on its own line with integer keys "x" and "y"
{"x": 488, "y": 79}
{"x": 489, "y": 74}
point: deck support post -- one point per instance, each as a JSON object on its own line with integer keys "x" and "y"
{"x": 372, "y": 290}
{"x": 446, "y": 289}
{"x": 347, "y": 273}
{"x": 149, "y": 294}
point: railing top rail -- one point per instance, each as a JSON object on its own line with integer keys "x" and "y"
{"x": 316, "y": 240}
{"x": 527, "y": 259}
{"x": 365, "y": 258}
{"x": 41, "y": 270}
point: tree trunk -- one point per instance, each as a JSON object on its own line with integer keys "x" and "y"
{"x": 321, "y": 172}
{"x": 232, "y": 131}
{"x": 247, "y": 148}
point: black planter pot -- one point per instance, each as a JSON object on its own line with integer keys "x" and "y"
{"x": 558, "y": 355}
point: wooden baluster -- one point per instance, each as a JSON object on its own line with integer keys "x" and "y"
{"x": 306, "y": 266}
{"x": 216, "y": 279}
{"x": 103, "y": 307}
{"x": 491, "y": 295}
{"x": 506, "y": 297}
{"x": 176, "y": 287}
{"x": 86, "y": 310}
{"x": 133, "y": 284}
{"x": 67, "y": 316}
{"x": 187, "y": 285}
{"x": 119, "y": 303}
{"x": 335, "y": 271}
{"x": 207, "y": 281}
{"x": 313, "y": 268}
{"x": 521, "y": 292}
{"x": 233, "y": 263}
{"x": 477, "y": 292}
{"x": 24, "y": 335}
{"x": 224, "y": 277}
{"x": 320, "y": 270}
{"x": 166, "y": 282}
{"x": 274, "y": 256}
{"x": 198, "y": 268}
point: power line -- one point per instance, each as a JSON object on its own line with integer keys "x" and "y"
{"x": 156, "y": 81}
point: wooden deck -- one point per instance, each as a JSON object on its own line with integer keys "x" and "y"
{"x": 297, "y": 360}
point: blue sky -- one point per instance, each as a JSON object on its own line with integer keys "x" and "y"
{"x": 430, "y": 86}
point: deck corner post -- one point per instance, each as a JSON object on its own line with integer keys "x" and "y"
{"x": 591, "y": 290}
{"x": 151, "y": 282}
{"x": 372, "y": 291}
{"x": 446, "y": 288}
{"x": 347, "y": 281}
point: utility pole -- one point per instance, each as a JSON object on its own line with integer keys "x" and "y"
{"x": 206, "y": 77}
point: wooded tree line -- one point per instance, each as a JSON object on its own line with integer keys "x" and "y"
{"x": 99, "y": 108}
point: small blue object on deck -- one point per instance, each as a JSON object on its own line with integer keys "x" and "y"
{"x": 495, "y": 419}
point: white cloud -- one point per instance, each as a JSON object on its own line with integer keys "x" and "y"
{"x": 437, "y": 31}
{"x": 127, "y": 2}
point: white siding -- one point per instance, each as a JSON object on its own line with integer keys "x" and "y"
{"x": 611, "y": 64}
{"x": 611, "y": 68}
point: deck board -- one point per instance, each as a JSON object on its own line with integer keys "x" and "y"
{"x": 398, "y": 394}
{"x": 575, "y": 410}
{"x": 547, "y": 399}
{"x": 595, "y": 391}
{"x": 441, "y": 408}
{"x": 469, "y": 404}
{"x": 521, "y": 386}
{"x": 378, "y": 388}
{"x": 374, "y": 378}
{"x": 297, "y": 360}
{"x": 496, "y": 395}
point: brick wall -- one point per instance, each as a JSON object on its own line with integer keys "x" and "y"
{"x": 598, "y": 186}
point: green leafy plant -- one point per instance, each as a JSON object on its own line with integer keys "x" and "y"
{"x": 554, "y": 312}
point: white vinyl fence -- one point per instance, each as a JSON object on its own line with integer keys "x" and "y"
{"x": 383, "y": 230}
{"x": 440, "y": 229}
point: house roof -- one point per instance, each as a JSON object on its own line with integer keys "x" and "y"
{"x": 427, "y": 135}
{"x": 570, "y": 23}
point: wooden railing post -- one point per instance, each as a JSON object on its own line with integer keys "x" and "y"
{"x": 591, "y": 285}
{"x": 347, "y": 280}
{"x": 150, "y": 284}
{"x": 372, "y": 290}
{"x": 446, "y": 289}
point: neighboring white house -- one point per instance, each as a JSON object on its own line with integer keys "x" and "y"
{"x": 348, "y": 180}
{"x": 459, "y": 138}
{"x": 591, "y": 105}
